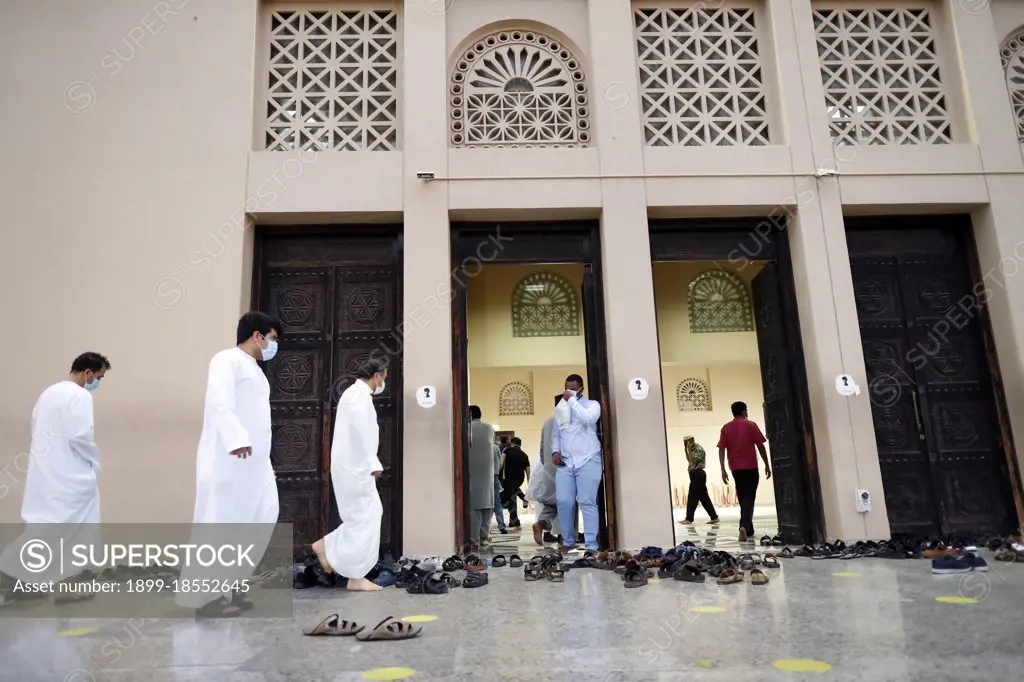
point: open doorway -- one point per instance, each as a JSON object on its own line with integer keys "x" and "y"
{"x": 728, "y": 333}
{"x": 526, "y": 317}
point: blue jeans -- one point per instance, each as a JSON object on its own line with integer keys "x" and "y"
{"x": 572, "y": 485}
{"x": 498, "y": 510}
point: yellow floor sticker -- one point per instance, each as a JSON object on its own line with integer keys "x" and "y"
{"x": 78, "y": 632}
{"x": 419, "y": 619}
{"x": 846, "y": 574}
{"x": 654, "y": 580}
{"x": 707, "y": 609}
{"x": 704, "y": 662}
{"x": 802, "y": 665}
{"x": 388, "y": 674}
{"x": 956, "y": 600}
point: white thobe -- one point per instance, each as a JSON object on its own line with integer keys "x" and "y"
{"x": 61, "y": 486}
{"x": 353, "y": 548}
{"x": 230, "y": 489}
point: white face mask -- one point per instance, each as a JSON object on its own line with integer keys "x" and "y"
{"x": 270, "y": 351}
{"x": 380, "y": 389}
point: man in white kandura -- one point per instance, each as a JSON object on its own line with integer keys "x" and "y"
{"x": 353, "y": 548}
{"x": 235, "y": 480}
{"x": 61, "y": 485}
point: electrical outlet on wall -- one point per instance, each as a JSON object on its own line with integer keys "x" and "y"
{"x": 863, "y": 501}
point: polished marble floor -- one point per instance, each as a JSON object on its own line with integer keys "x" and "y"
{"x": 866, "y": 619}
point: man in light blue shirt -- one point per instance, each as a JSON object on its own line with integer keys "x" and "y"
{"x": 576, "y": 451}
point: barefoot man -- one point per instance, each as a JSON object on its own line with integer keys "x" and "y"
{"x": 353, "y": 548}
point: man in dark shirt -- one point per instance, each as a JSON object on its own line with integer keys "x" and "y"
{"x": 739, "y": 438}
{"x": 515, "y": 468}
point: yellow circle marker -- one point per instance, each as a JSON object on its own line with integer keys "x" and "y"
{"x": 78, "y": 632}
{"x": 802, "y": 665}
{"x": 704, "y": 662}
{"x": 654, "y": 580}
{"x": 388, "y": 674}
{"x": 419, "y": 619}
{"x": 846, "y": 574}
{"x": 707, "y": 609}
{"x": 956, "y": 600}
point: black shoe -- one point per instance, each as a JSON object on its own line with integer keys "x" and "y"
{"x": 503, "y": 531}
{"x": 548, "y": 537}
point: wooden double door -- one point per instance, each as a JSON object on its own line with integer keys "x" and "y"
{"x": 339, "y": 299}
{"x": 762, "y": 245}
{"x": 940, "y": 424}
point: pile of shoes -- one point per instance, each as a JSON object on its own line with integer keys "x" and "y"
{"x": 1008, "y": 549}
{"x": 417, "y": 576}
{"x": 688, "y": 563}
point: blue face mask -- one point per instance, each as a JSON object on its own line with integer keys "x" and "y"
{"x": 270, "y": 351}
{"x": 92, "y": 385}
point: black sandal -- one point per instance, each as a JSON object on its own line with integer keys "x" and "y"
{"x": 635, "y": 576}
{"x": 786, "y": 553}
{"x": 532, "y": 572}
{"x": 777, "y": 541}
{"x": 688, "y": 572}
{"x": 450, "y": 580}
{"x": 453, "y": 563}
{"x": 766, "y": 541}
{"x": 473, "y": 563}
{"x": 478, "y": 579}
{"x": 555, "y": 574}
{"x": 498, "y": 561}
{"x": 219, "y": 608}
{"x": 428, "y": 585}
{"x": 515, "y": 561}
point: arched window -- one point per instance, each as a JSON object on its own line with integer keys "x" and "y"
{"x": 692, "y": 395}
{"x": 719, "y": 302}
{"x": 515, "y": 400}
{"x": 544, "y": 304}
{"x": 518, "y": 89}
{"x": 1012, "y": 55}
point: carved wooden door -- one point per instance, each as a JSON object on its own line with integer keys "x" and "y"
{"x": 336, "y": 313}
{"x": 781, "y": 425}
{"x": 936, "y": 425}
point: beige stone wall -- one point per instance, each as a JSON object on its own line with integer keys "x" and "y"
{"x": 133, "y": 133}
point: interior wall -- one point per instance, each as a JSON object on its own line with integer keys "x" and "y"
{"x": 727, "y": 362}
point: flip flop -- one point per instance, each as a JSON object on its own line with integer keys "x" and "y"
{"x": 450, "y": 580}
{"x": 777, "y": 541}
{"x": 532, "y": 572}
{"x": 331, "y": 626}
{"x": 766, "y": 541}
{"x": 390, "y": 631}
{"x": 689, "y": 573}
{"x": 730, "y": 576}
{"x": 770, "y": 561}
{"x": 515, "y": 561}
{"x": 498, "y": 561}
{"x": 453, "y": 563}
{"x": 786, "y": 553}
{"x": 478, "y": 579}
{"x": 757, "y": 577}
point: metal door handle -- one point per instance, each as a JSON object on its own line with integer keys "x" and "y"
{"x": 917, "y": 416}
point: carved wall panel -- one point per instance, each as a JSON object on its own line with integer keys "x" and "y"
{"x": 545, "y": 304}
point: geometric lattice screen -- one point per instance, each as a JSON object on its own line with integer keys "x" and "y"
{"x": 332, "y": 81}
{"x": 1012, "y": 55}
{"x": 518, "y": 89}
{"x": 515, "y": 400}
{"x": 719, "y": 302}
{"x": 880, "y": 69}
{"x": 701, "y": 81}
{"x": 544, "y": 304}
{"x": 692, "y": 395}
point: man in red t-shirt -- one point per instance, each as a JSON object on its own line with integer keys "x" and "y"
{"x": 739, "y": 438}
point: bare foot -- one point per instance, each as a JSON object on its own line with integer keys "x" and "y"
{"x": 321, "y": 555}
{"x": 362, "y": 585}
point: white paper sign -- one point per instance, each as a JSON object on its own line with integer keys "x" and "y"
{"x": 426, "y": 396}
{"x": 638, "y": 388}
{"x": 846, "y": 386}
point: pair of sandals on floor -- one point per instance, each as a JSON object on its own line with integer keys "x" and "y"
{"x": 545, "y": 566}
{"x": 388, "y": 630}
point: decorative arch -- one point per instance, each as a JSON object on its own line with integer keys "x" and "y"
{"x": 1012, "y": 55}
{"x": 693, "y": 395}
{"x": 719, "y": 302}
{"x": 544, "y": 304}
{"x": 515, "y": 400}
{"x": 518, "y": 88}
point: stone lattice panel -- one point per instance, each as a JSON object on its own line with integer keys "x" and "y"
{"x": 518, "y": 89}
{"x": 692, "y": 395}
{"x": 1012, "y": 55}
{"x": 332, "y": 82}
{"x": 719, "y": 302}
{"x": 515, "y": 400}
{"x": 544, "y": 304}
{"x": 701, "y": 80}
{"x": 880, "y": 71}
